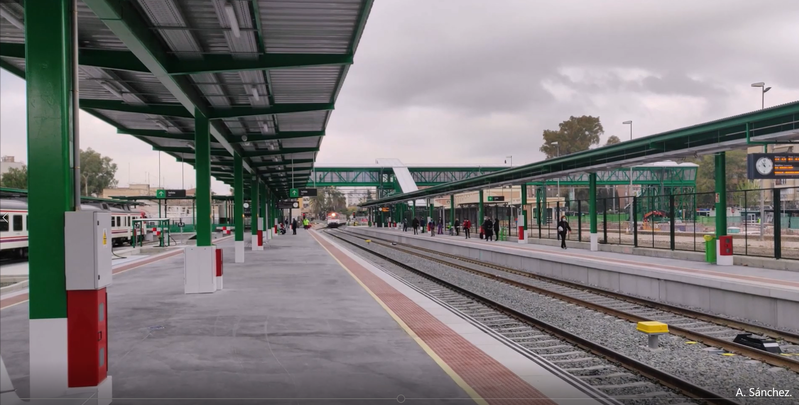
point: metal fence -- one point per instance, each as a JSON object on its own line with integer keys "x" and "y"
{"x": 762, "y": 222}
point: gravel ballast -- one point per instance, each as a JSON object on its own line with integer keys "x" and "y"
{"x": 696, "y": 363}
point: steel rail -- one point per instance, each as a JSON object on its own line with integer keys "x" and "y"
{"x": 669, "y": 380}
{"x": 756, "y": 354}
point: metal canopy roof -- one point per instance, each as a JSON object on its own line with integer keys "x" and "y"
{"x": 779, "y": 124}
{"x": 268, "y": 80}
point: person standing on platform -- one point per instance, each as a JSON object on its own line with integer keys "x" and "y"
{"x": 431, "y": 226}
{"x": 440, "y": 227}
{"x": 563, "y": 228}
{"x": 496, "y": 229}
{"x": 415, "y": 225}
{"x": 294, "y": 226}
{"x": 467, "y": 225}
{"x": 488, "y": 229}
{"x": 457, "y": 227}
{"x": 404, "y": 225}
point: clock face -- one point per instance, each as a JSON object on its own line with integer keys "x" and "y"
{"x": 764, "y": 165}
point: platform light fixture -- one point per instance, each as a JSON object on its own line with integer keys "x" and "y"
{"x": 231, "y": 16}
{"x": 11, "y": 18}
{"x": 162, "y": 125}
{"x": 111, "y": 89}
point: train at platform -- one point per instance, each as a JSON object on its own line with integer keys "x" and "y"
{"x": 14, "y": 224}
{"x": 334, "y": 220}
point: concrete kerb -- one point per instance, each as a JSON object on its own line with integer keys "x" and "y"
{"x": 772, "y": 304}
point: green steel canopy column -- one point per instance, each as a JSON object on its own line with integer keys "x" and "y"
{"x": 202, "y": 167}
{"x": 452, "y": 209}
{"x": 480, "y": 213}
{"x": 51, "y": 190}
{"x": 262, "y": 220}
{"x": 238, "y": 206}
{"x": 254, "y": 213}
{"x": 524, "y": 203}
{"x": 720, "y": 160}
{"x": 592, "y": 211}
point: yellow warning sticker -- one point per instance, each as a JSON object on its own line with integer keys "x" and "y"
{"x": 105, "y": 239}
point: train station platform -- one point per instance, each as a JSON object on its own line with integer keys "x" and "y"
{"x": 755, "y": 294}
{"x": 302, "y": 321}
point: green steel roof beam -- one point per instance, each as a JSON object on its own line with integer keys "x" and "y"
{"x": 258, "y": 137}
{"x": 707, "y": 135}
{"x": 156, "y": 134}
{"x": 105, "y": 59}
{"x": 272, "y": 164}
{"x": 12, "y": 69}
{"x": 227, "y": 63}
{"x": 214, "y": 152}
{"x": 242, "y": 111}
{"x": 125, "y": 21}
{"x": 168, "y": 110}
{"x": 286, "y": 151}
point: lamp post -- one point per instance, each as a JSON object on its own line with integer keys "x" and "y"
{"x": 630, "y": 189}
{"x": 558, "y": 155}
{"x": 763, "y": 90}
{"x": 511, "y": 160}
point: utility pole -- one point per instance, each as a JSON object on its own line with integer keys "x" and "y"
{"x": 630, "y": 190}
{"x": 763, "y": 90}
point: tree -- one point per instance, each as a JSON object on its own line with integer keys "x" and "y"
{"x": 15, "y": 178}
{"x": 574, "y": 135}
{"x": 735, "y": 171}
{"x": 328, "y": 200}
{"x": 97, "y": 172}
{"x": 745, "y": 196}
{"x": 613, "y": 140}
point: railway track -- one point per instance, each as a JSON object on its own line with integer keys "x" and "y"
{"x": 622, "y": 378}
{"x": 692, "y": 325}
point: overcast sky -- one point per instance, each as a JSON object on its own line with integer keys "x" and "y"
{"x": 470, "y": 82}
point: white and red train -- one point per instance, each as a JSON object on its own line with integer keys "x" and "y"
{"x": 14, "y": 224}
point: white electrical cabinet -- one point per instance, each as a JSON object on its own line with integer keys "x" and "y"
{"x": 88, "y": 244}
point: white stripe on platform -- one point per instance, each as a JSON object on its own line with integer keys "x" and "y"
{"x": 48, "y": 356}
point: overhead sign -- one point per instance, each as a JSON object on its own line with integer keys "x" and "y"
{"x": 307, "y": 192}
{"x": 294, "y": 193}
{"x": 773, "y": 166}
{"x": 160, "y": 193}
{"x": 175, "y": 193}
{"x": 384, "y": 209}
{"x": 288, "y": 204}
{"x": 496, "y": 198}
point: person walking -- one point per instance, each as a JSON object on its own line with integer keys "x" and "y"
{"x": 457, "y": 227}
{"x": 294, "y": 226}
{"x": 496, "y": 229}
{"x": 415, "y": 225}
{"x": 563, "y": 228}
{"x": 440, "y": 227}
{"x": 467, "y": 225}
{"x": 404, "y": 225}
{"x": 431, "y": 226}
{"x": 488, "y": 229}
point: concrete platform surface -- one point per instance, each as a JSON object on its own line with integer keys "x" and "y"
{"x": 762, "y": 295}
{"x": 737, "y": 273}
{"x": 290, "y": 324}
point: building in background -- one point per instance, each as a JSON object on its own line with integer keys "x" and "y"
{"x": 7, "y": 163}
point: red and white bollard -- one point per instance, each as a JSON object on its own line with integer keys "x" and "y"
{"x": 218, "y": 268}
{"x": 522, "y": 233}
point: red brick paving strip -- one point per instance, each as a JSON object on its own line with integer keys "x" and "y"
{"x": 491, "y": 380}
